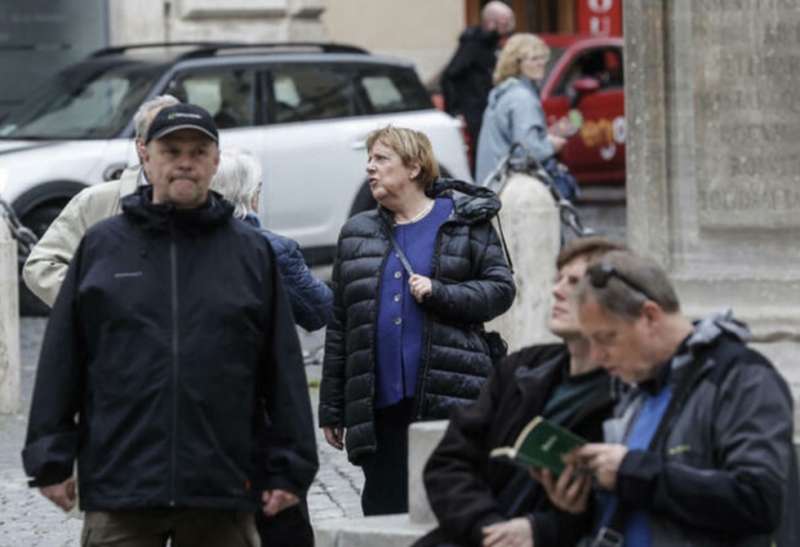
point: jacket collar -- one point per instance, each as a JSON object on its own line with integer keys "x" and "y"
{"x": 692, "y": 351}
{"x": 139, "y": 207}
{"x": 472, "y": 203}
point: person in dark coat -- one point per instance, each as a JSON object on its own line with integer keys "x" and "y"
{"x": 480, "y": 501}
{"x": 238, "y": 180}
{"x": 406, "y": 341}
{"x": 467, "y": 78}
{"x": 171, "y": 368}
{"x": 700, "y": 451}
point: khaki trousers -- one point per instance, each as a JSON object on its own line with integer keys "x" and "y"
{"x": 184, "y": 527}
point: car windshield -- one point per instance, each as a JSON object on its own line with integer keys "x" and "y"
{"x": 87, "y": 101}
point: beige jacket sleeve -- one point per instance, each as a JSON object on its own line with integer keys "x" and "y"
{"x": 47, "y": 264}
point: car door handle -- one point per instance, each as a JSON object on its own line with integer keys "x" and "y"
{"x": 359, "y": 145}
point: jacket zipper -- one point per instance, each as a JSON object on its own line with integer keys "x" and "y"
{"x": 423, "y": 373}
{"x": 175, "y": 348}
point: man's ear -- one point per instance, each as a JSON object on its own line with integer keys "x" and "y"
{"x": 141, "y": 149}
{"x": 652, "y": 313}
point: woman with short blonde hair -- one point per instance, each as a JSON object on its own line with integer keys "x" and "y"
{"x": 414, "y": 280}
{"x": 412, "y": 147}
{"x": 518, "y": 47}
{"x": 514, "y": 113}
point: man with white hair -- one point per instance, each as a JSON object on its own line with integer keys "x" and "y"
{"x": 47, "y": 264}
{"x": 239, "y": 181}
{"x": 467, "y": 79}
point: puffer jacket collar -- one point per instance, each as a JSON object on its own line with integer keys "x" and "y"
{"x": 139, "y": 207}
{"x": 475, "y": 204}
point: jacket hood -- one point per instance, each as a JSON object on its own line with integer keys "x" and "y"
{"x": 707, "y": 330}
{"x": 475, "y": 204}
{"x": 139, "y": 207}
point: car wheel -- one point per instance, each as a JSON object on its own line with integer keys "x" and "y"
{"x": 37, "y": 221}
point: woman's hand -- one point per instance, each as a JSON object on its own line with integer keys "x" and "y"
{"x": 420, "y": 286}
{"x": 334, "y": 436}
{"x": 557, "y": 142}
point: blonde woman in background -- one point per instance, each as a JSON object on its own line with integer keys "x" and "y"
{"x": 514, "y": 113}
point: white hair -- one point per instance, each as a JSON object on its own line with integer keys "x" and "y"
{"x": 238, "y": 179}
{"x": 145, "y": 113}
{"x": 496, "y": 11}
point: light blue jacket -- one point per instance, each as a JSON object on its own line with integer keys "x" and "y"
{"x": 514, "y": 114}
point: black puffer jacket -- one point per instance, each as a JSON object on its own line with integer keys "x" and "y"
{"x": 471, "y": 284}
{"x": 170, "y": 338}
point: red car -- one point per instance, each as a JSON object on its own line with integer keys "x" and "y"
{"x": 584, "y": 84}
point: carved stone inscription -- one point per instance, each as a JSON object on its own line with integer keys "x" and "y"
{"x": 747, "y": 112}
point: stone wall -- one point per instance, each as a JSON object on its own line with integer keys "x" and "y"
{"x": 713, "y": 109}
{"x": 238, "y": 20}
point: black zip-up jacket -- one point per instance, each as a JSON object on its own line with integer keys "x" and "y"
{"x": 471, "y": 284}
{"x": 171, "y": 367}
{"x": 467, "y": 78}
{"x": 468, "y": 490}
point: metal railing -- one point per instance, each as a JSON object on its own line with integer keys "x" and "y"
{"x": 520, "y": 161}
{"x": 26, "y": 239}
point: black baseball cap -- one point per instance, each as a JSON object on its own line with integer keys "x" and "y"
{"x": 182, "y": 116}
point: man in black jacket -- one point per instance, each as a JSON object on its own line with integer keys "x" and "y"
{"x": 480, "y": 501}
{"x": 701, "y": 452}
{"x": 171, "y": 369}
{"x": 467, "y": 79}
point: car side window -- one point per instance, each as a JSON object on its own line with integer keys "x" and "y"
{"x": 310, "y": 92}
{"x": 392, "y": 89}
{"x": 228, "y": 95}
{"x": 602, "y": 64}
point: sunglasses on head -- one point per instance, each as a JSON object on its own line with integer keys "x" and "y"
{"x": 599, "y": 274}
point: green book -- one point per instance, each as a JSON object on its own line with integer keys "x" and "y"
{"x": 541, "y": 444}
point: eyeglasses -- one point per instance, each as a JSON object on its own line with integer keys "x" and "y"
{"x": 599, "y": 274}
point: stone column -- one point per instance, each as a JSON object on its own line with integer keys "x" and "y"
{"x": 9, "y": 323}
{"x": 531, "y": 226}
{"x": 713, "y": 120}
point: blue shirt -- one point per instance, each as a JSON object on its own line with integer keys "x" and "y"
{"x": 637, "y": 524}
{"x": 401, "y": 319}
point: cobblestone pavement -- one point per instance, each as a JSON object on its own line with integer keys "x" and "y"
{"x": 29, "y": 520}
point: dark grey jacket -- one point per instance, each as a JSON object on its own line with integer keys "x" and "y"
{"x": 472, "y": 284}
{"x": 721, "y": 471}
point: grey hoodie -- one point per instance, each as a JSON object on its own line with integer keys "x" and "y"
{"x": 514, "y": 115}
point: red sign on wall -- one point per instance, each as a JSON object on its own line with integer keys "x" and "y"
{"x": 599, "y": 17}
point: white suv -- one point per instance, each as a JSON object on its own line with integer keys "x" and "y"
{"x": 304, "y": 109}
